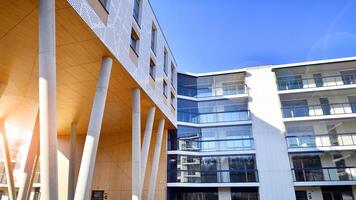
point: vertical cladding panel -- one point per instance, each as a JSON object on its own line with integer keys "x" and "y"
{"x": 268, "y": 131}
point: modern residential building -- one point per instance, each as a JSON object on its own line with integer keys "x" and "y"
{"x": 74, "y": 72}
{"x": 271, "y": 133}
{"x": 89, "y": 110}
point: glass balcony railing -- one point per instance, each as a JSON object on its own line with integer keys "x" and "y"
{"x": 216, "y": 176}
{"x": 319, "y": 110}
{"x": 216, "y": 145}
{"x": 325, "y": 81}
{"x": 214, "y": 117}
{"x": 324, "y": 140}
{"x": 324, "y": 174}
{"x": 200, "y": 92}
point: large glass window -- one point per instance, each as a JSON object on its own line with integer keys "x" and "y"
{"x": 208, "y": 86}
{"x": 290, "y": 82}
{"x": 212, "y": 169}
{"x": 295, "y": 108}
{"x": 213, "y": 111}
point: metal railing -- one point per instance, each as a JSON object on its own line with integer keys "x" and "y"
{"x": 212, "y": 91}
{"x": 324, "y": 81}
{"x": 319, "y": 110}
{"x": 213, "y": 176}
{"x": 214, "y": 117}
{"x": 236, "y": 144}
{"x": 323, "y": 140}
{"x": 324, "y": 174}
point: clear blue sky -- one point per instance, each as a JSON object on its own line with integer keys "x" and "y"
{"x": 213, "y": 35}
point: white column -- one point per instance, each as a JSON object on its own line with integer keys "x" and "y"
{"x": 87, "y": 165}
{"x": 47, "y": 100}
{"x": 7, "y": 162}
{"x": 146, "y": 145}
{"x": 136, "y": 144}
{"x": 224, "y": 193}
{"x": 155, "y": 162}
{"x": 72, "y": 160}
{"x": 29, "y": 170}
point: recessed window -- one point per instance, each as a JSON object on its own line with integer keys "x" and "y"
{"x": 136, "y": 10}
{"x": 173, "y": 99}
{"x": 165, "y": 88}
{"x": 134, "y": 42}
{"x": 153, "y": 38}
{"x": 165, "y": 61}
{"x": 105, "y": 4}
{"x": 152, "y": 69}
{"x": 173, "y": 72}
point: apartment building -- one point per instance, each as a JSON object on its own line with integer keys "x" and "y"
{"x": 81, "y": 81}
{"x": 271, "y": 133}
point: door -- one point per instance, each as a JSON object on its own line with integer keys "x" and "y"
{"x": 352, "y": 101}
{"x": 332, "y": 135}
{"x": 325, "y": 106}
{"x": 348, "y": 77}
{"x": 340, "y": 167}
{"x": 301, "y": 195}
{"x": 318, "y": 79}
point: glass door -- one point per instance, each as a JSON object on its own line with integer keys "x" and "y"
{"x": 318, "y": 79}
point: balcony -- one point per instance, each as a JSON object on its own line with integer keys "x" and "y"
{"x": 213, "y": 117}
{"x": 204, "y": 92}
{"x": 237, "y": 144}
{"x": 318, "y": 110}
{"x": 316, "y": 82}
{"x": 324, "y": 140}
{"x": 213, "y": 176}
{"x": 324, "y": 174}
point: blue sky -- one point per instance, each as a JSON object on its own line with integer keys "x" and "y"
{"x": 213, "y": 35}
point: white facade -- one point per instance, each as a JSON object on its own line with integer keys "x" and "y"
{"x": 303, "y": 127}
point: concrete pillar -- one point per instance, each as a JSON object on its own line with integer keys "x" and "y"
{"x": 87, "y": 165}
{"x": 155, "y": 162}
{"x": 7, "y": 163}
{"x": 72, "y": 160}
{"x": 136, "y": 144}
{"x": 29, "y": 170}
{"x": 224, "y": 193}
{"x": 47, "y": 100}
{"x": 146, "y": 145}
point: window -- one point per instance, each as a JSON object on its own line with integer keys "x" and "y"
{"x": 136, "y": 10}
{"x": 165, "y": 88}
{"x": 134, "y": 42}
{"x": 152, "y": 69}
{"x": 98, "y": 195}
{"x": 173, "y": 99}
{"x": 173, "y": 70}
{"x": 153, "y": 38}
{"x": 105, "y": 4}
{"x": 165, "y": 61}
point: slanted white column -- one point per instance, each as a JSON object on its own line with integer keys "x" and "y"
{"x": 224, "y": 193}
{"x": 7, "y": 162}
{"x": 87, "y": 165}
{"x": 30, "y": 164}
{"x": 146, "y": 145}
{"x": 72, "y": 160}
{"x": 136, "y": 144}
{"x": 47, "y": 100}
{"x": 155, "y": 162}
